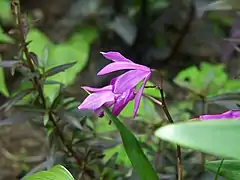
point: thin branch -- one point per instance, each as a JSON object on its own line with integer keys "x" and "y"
{"x": 61, "y": 136}
{"x": 179, "y": 156}
{"x": 152, "y": 99}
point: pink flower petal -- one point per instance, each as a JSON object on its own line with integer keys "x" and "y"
{"x": 232, "y": 114}
{"x": 96, "y": 100}
{"x": 115, "y": 56}
{"x": 99, "y": 112}
{"x": 139, "y": 95}
{"x": 129, "y": 80}
{"x": 116, "y": 66}
{"x": 113, "y": 81}
{"x": 122, "y": 101}
{"x": 91, "y": 89}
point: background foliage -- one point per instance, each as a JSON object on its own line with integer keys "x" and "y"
{"x": 193, "y": 44}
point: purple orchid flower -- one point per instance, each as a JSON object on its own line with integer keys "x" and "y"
{"x": 106, "y": 97}
{"x": 232, "y": 114}
{"x": 128, "y": 80}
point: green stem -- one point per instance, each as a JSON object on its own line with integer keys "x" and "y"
{"x": 218, "y": 171}
{"x": 179, "y": 154}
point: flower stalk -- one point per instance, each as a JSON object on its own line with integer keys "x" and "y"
{"x": 179, "y": 154}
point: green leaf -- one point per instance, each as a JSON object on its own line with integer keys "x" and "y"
{"x": 208, "y": 79}
{"x": 122, "y": 157}
{"x": 135, "y": 153}
{"x": 146, "y": 109}
{"x": 45, "y": 54}
{"x": 3, "y": 87}
{"x": 227, "y": 100}
{"x": 217, "y": 137}
{"x": 151, "y": 91}
{"x": 5, "y": 13}
{"x": 57, "y": 172}
{"x": 39, "y": 41}
{"x": 230, "y": 169}
{"x": 55, "y": 70}
{"x": 45, "y": 118}
{"x": 19, "y": 117}
{"x": 16, "y": 98}
{"x": 65, "y": 54}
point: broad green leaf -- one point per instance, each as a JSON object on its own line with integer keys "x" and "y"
{"x": 3, "y": 87}
{"x": 209, "y": 79}
{"x": 217, "y": 137}
{"x": 230, "y": 86}
{"x": 151, "y": 91}
{"x": 57, "y": 172}
{"x": 38, "y": 41}
{"x": 135, "y": 153}
{"x": 122, "y": 157}
{"x": 64, "y": 54}
{"x": 146, "y": 110}
{"x": 230, "y": 169}
{"x": 5, "y": 13}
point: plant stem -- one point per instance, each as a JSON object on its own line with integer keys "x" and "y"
{"x": 37, "y": 84}
{"x": 179, "y": 156}
{"x": 218, "y": 171}
{"x": 61, "y": 136}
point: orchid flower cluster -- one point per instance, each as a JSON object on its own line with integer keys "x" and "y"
{"x": 121, "y": 90}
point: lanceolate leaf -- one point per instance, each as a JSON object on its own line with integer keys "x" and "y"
{"x": 9, "y": 63}
{"x": 18, "y": 117}
{"x": 230, "y": 169}
{"x": 15, "y": 99}
{"x": 44, "y": 165}
{"x": 217, "y": 137}
{"x": 227, "y": 100}
{"x": 34, "y": 57}
{"x": 58, "y": 172}
{"x": 58, "y": 69}
{"x": 132, "y": 147}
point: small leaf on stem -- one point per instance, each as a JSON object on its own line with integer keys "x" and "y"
{"x": 58, "y": 69}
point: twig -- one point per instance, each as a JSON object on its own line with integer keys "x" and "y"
{"x": 37, "y": 85}
{"x": 152, "y": 99}
{"x": 61, "y": 136}
{"x": 179, "y": 156}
